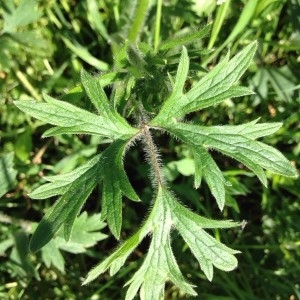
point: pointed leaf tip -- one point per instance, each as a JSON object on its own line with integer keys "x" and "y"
{"x": 213, "y": 88}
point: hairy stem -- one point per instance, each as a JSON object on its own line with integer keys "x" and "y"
{"x": 152, "y": 155}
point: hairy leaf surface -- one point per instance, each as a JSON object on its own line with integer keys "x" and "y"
{"x": 213, "y": 88}
{"x": 71, "y": 119}
{"x": 160, "y": 264}
{"x": 238, "y": 144}
{"x": 65, "y": 209}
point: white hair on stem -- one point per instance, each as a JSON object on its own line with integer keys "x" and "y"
{"x": 152, "y": 156}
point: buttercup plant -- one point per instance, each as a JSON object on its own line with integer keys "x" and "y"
{"x": 167, "y": 214}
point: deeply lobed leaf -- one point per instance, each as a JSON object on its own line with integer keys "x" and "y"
{"x": 65, "y": 209}
{"x": 205, "y": 166}
{"x": 167, "y": 213}
{"x": 85, "y": 234}
{"x": 213, "y": 88}
{"x": 76, "y": 186}
{"x": 160, "y": 264}
{"x": 238, "y": 144}
{"x": 71, "y": 119}
{"x": 115, "y": 182}
{"x": 59, "y": 184}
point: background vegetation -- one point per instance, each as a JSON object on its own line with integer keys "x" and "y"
{"x": 44, "y": 45}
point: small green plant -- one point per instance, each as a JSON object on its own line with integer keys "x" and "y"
{"x": 165, "y": 117}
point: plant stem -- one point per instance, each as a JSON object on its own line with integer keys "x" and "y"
{"x": 28, "y": 85}
{"x": 152, "y": 155}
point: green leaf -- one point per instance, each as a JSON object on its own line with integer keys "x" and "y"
{"x": 141, "y": 9}
{"x": 243, "y": 21}
{"x": 213, "y": 88}
{"x": 160, "y": 264}
{"x": 59, "y": 184}
{"x": 104, "y": 79}
{"x": 211, "y": 173}
{"x": 23, "y": 15}
{"x": 75, "y": 188}
{"x": 95, "y": 19}
{"x": 208, "y": 251}
{"x": 23, "y": 145}
{"x": 96, "y": 94}
{"x": 185, "y": 39}
{"x": 115, "y": 182}
{"x": 7, "y": 173}
{"x": 112, "y": 200}
{"x": 136, "y": 61}
{"x": 253, "y": 154}
{"x": 185, "y": 166}
{"x": 85, "y": 234}
{"x": 181, "y": 74}
{"x": 117, "y": 259}
{"x": 82, "y": 52}
{"x": 72, "y": 119}
{"x": 52, "y": 256}
{"x": 251, "y": 129}
{"x": 19, "y": 256}
{"x": 65, "y": 209}
{"x": 33, "y": 39}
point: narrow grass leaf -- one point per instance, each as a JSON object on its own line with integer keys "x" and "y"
{"x": 176, "y": 41}
{"x": 243, "y": 21}
{"x": 82, "y": 52}
{"x": 218, "y": 22}
{"x": 95, "y": 19}
{"x": 140, "y": 14}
